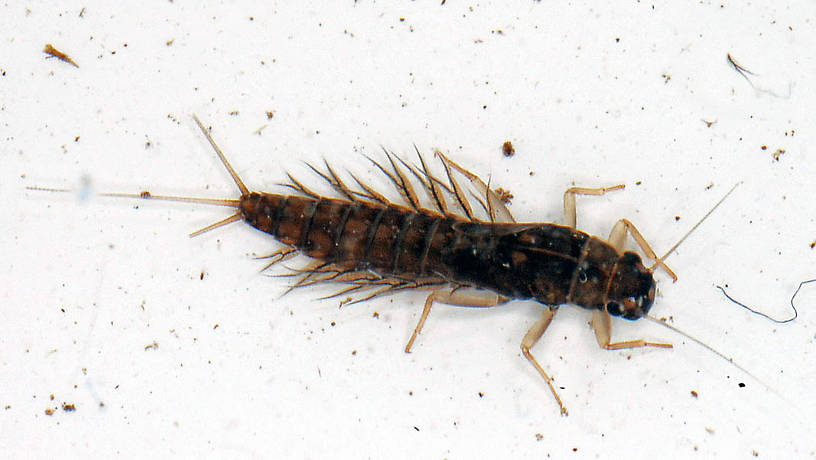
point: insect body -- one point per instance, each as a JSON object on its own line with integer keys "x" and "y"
{"x": 369, "y": 243}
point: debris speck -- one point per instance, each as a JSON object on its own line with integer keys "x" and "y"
{"x": 152, "y": 346}
{"x": 778, "y": 153}
{"x": 504, "y": 195}
{"x": 508, "y": 150}
{"x": 51, "y": 51}
{"x": 68, "y": 407}
{"x": 694, "y": 393}
{"x": 539, "y": 436}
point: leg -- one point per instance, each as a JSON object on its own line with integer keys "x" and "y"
{"x": 602, "y": 325}
{"x": 570, "y": 214}
{"x": 455, "y": 297}
{"x": 618, "y": 236}
{"x": 530, "y": 339}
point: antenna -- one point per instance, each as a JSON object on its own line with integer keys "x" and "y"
{"x": 673, "y": 248}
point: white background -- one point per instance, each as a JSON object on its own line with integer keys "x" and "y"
{"x": 583, "y": 92}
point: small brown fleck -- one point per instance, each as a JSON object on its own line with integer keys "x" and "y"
{"x": 504, "y": 195}
{"x": 146, "y": 195}
{"x": 694, "y": 393}
{"x": 666, "y": 78}
{"x": 755, "y": 453}
{"x": 539, "y": 436}
{"x": 201, "y": 276}
{"x": 8, "y": 406}
{"x": 508, "y": 150}
{"x": 234, "y": 113}
{"x": 76, "y": 139}
{"x": 481, "y": 395}
{"x": 813, "y": 244}
{"x": 49, "y": 411}
{"x": 709, "y": 123}
{"x": 152, "y": 346}
{"x": 764, "y": 147}
{"x": 51, "y": 51}
{"x": 353, "y": 352}
{"x": 269, "y": 114}
{"x": 68, "y": 407}
{"x": 638, "y": 182}
{"x": 170, "y": 42}
{"x": 377, "y": 314}
{"x": 778, "y": 153}
{"x": 676, "y": 218}
{"x": 709, "y": 186}
{"x": 216, "y": 326}
{"x": 51, "y": 397}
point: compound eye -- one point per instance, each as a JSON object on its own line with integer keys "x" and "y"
{"x": 614, "y": 308}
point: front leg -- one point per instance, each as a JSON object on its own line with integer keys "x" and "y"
{"x": 617, "y": 238}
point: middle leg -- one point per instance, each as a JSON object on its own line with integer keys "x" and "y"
{"x": 455, "y": 297}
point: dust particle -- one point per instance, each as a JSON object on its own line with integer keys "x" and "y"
{"x": 508, "y": 150}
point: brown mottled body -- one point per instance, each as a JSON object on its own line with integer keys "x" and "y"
{"x": 550, "y": 263}
{"x": 367, "y": 242}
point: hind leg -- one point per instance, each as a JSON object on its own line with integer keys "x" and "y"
{"x": 455, "y": 297}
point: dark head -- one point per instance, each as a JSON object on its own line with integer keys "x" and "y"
{"x": 632, "y": 290}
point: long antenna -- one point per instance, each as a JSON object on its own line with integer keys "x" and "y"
{"x": 713, "y": 350}
{"x": 673, "y": 248}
